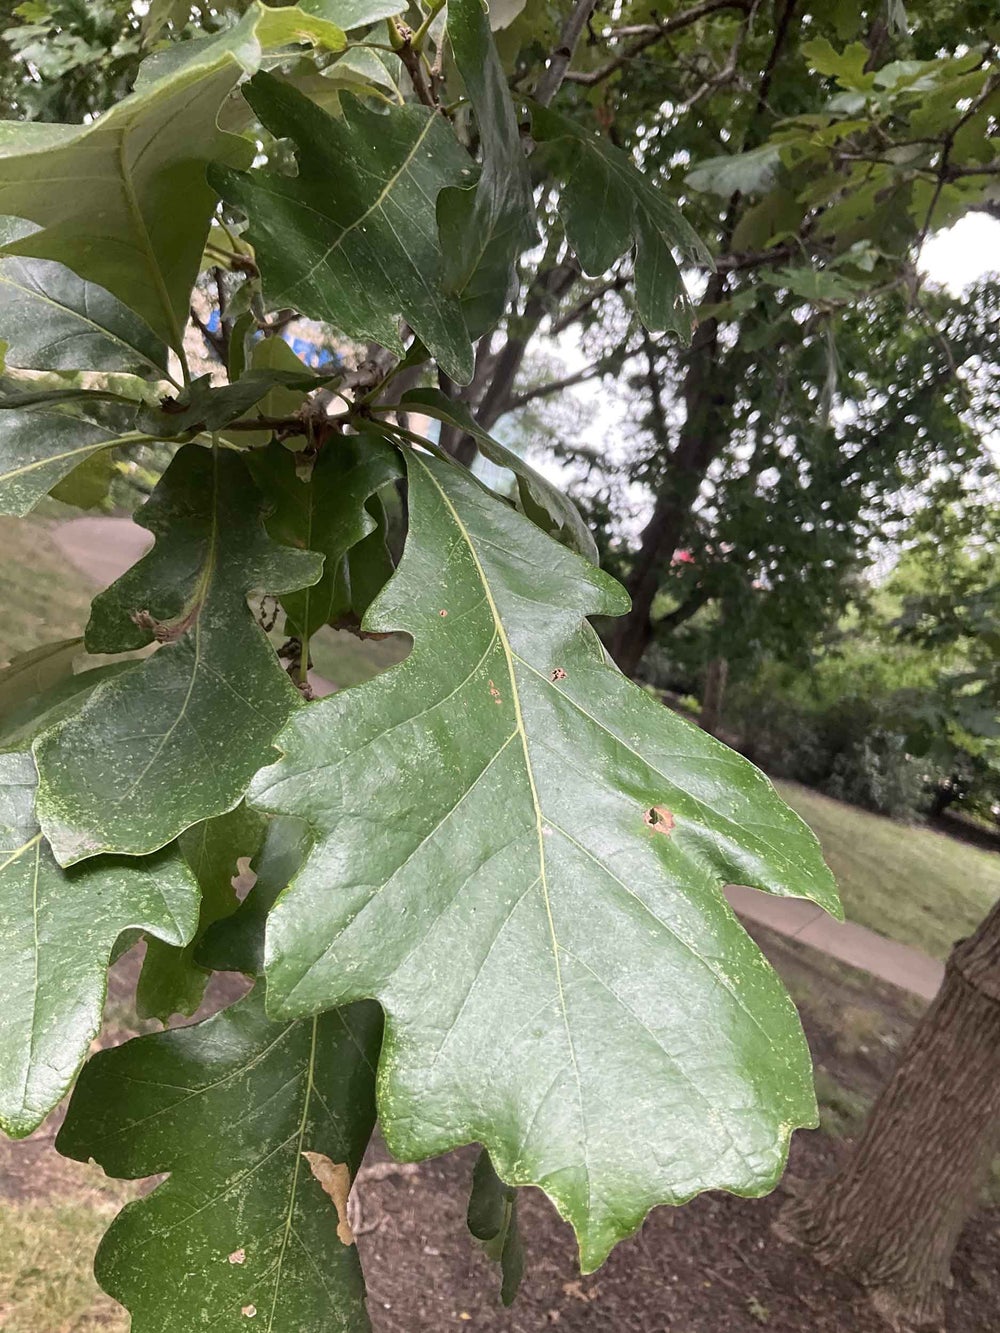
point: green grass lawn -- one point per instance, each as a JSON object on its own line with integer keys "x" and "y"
{"x": 913, "y": 884}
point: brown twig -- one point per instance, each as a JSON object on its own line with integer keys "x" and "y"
{"x": 558, "y": 66}
{"x": 646, "y": 35}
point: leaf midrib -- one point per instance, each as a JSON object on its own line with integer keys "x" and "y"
{"x": 501, "y": 635}
{"x": 198, "y": 600}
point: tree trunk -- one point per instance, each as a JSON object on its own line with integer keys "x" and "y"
{"x": 702, "y": 437}
{"x": 716, "y": 675}
{"x": 892, "y": 1217}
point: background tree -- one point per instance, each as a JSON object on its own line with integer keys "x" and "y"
{"x": 892, "y": 1216}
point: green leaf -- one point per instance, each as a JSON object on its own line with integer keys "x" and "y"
{"x": 57, "y": 929}
{"x": 350, "y": 14}
{"x": 324, "y": 513}
{"x": 485, "y": 227}
{"x": 171, "y": 982}
{"x": 236, "y": 943}
{"x": 41, "y": 444}
{"x": 606, "y": 203}
{"x": 847, "y": 66}
{"x": 89, "y": 484}
{"x": 204, "y": 406}
{"x": 106, "y": 194}
{"x": 492, "y": 1219}
{"x": 177, "y": 741}
{"x": 53, "y": 320}
{"x": 547, "y": 506}
{"x": 752, "y": 172}
{"x": 352, "y": 239}
{"x": 552, "y": 849}
{"x": 250, "y": 1118}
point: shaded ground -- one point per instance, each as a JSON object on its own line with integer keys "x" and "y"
{"x": 710, "y": 1267}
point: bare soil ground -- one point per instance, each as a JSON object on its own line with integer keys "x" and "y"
{"x": 710, "y": 1267}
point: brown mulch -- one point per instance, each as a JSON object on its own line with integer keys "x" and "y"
{"x": 712, "y": 1266}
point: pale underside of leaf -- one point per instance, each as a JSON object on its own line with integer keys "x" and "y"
{"x": 561, "y": 982}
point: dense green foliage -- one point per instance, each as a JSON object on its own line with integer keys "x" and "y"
{"x": 502, "y": 840}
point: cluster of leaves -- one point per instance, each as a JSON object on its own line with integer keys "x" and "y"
{"x": 513, "y": 850}
{"x": 813, "y": 155}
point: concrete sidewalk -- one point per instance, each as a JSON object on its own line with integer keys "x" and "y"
{"x": 103, "y": 548}
{"x": 797, "y": 919}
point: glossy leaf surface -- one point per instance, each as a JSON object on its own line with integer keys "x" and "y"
{"x": 53, "y": 320}
{"x": 57, "y": 930}
{"x": 326, "y": 513}
{"x": 249, "y": 1117}
{"x": 176, "y": 741}
{"x": 484, "y": 228}
{"x": 352, "y": 238}
{"x": 541, "y": 914}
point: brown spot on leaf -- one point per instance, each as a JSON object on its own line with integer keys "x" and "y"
{"x": 248, "y": 1311}
{"x": 238, "y": 1256}
{"x": 495, "y": 694}
{"x": 659, "y": 819}
{"x": 166, "y": 631}
{"x": 442, "y": 612}
{"x": 558, "y": 674}
{"x": 335, "y": 1181}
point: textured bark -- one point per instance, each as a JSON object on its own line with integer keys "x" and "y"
{"x": 708, "y": 394}
{"x": 707, "y": 397}
{"x": 892, "y": 1217}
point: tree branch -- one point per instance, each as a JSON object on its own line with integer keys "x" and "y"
{"x": 213, "y": 341}
{"x": 515, "y": 401}
{"x": 551, "y": 80}
{"x": 577, "y": 311}
{"x": 647, "y": 34}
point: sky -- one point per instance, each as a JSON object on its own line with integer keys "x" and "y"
{"x": 954, "y": 258}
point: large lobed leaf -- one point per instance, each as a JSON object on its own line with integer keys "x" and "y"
{"x": 262, "y": 1126}
{"x": 606, "y": 204}
{"x": 521, "y": 855}
{"x": 57, "y": 930}
{"x": 176, "y": 741}
{"x": 484, "y": 228}
{"x": 123, "y": 201}
{"x": 352, "y": 238}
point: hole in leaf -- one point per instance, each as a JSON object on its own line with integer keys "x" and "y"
{"x": 659, "y": 819}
